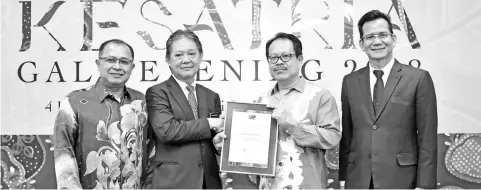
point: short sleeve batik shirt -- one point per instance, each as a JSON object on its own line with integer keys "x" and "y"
{"x": 98, "y": 140}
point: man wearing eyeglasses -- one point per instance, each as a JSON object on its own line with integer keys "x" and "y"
{"x": 307, "y": 116}
{"x": 100, "y": 131}
{"x": 389, "y": 117}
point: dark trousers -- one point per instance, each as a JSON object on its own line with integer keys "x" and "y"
{"x": 203, "y": 184}
{"x": 371, "y": 184}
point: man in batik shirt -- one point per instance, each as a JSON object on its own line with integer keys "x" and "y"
{"x": 99, "y": 130}
{"x": 307, "y": 116}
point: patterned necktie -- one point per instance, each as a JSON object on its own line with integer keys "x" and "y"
{"x": 378, "y": 90}
{"x": 192, "y": 101}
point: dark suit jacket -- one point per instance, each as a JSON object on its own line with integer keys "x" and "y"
{"x": 398, "y": 146}
{"x": 185, "y": 154}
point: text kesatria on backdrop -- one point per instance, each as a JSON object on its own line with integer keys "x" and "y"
{"x": 28, "y": 73}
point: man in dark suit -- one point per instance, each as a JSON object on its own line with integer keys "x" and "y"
{"x": 180, "y": 113}
{"x": 389, "y": 117}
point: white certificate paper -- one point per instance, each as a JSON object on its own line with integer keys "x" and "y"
{"x": 249, "y": 140}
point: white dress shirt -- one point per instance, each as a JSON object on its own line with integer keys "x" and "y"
{"x": 372, "y": 77}
{"x": 184, "y": 85}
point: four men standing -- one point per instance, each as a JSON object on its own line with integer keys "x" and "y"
{"x": 389, "y": 121}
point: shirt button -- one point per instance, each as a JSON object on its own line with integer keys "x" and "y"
{"x": 374, "y": 127}
{"x": 201, "y": 165}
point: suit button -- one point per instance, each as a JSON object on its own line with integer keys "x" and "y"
{"x": 201, "y": 165}
{"x": 370, "y": 155}
{"x": 374, "y": 127}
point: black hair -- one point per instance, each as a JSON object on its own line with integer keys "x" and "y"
{"x": 118, "y": 42}
{"x": 281, "y": 35}
{"x": 373, "y": 15}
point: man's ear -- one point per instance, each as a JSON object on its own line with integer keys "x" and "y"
{"x": 301, "y": 58}
{"x": 97, "y": 62}
{"x": 360, "y": 45}
{"x": 394, "y": 40}
{"x": 168, "y": 64}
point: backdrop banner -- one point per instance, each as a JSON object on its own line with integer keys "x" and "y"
{"x": 49, "y": 47}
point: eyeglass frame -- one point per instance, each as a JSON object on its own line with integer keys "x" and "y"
{"x": 290, "y": 55}
{"x": 116, "y": 60}
{"x": 376, "y": 36}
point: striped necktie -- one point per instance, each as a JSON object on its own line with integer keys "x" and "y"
{"x": 192, "y": 101}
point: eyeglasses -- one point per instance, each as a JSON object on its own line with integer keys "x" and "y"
{"x": 283, "y": 57}
{"x": 113, "y": 60}
{"x": 372, "y": 37}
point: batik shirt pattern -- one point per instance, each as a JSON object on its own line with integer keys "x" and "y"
{"x": 98, "y": 140}
{"x": 302, "y": 145}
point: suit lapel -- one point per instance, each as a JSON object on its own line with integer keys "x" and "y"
{"x": 201, "y": 101}
{"x": 365, "y": 88}
{"x": 394, "y": 76}
{"x": 180, "y": 98}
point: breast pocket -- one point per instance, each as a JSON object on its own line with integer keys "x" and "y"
{"x": 400, "y": 105}
{"x": 401, "y": 101}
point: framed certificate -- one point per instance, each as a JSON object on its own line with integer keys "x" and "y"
{"x": 251, "y": 143}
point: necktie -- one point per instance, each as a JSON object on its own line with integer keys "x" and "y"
{"x": 192, "y": 101}
{"x": 378, "y": 90}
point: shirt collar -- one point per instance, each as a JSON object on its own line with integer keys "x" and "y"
{"x": 184, "y": 85}
{"x": 299, "y": 86}
{"x": 101, "y": 91}
{"x": 386, "y": 69}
